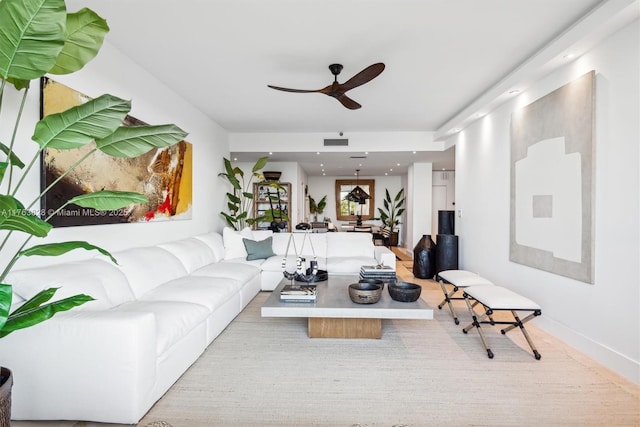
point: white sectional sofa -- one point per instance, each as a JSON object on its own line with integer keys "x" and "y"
{"x": 154, "y": 314}
{"x": 338, "y": 253}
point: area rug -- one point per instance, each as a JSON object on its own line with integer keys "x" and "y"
{"x": 267, "y": 372}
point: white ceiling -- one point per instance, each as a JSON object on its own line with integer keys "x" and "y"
{"x": 443, "y": 57}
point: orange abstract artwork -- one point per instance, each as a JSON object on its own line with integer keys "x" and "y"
{"x": 163, "y": 175}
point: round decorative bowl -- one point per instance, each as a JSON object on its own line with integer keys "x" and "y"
{"x": 365, "y": 293}
{"x": 271, "y": 175}
{"x": 373, "y": 282}
{"x": 404, "y": 291}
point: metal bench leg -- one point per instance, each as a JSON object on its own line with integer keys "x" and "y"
{"x": 476, "y": 323}
{"x": 447, "y": 300}
{"x": 520, "y": 324}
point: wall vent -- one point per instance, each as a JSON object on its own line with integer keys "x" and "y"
{"x": 336, "y": 142}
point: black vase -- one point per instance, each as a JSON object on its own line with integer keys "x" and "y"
{"x": 424, "y": 258}
{"x": 447, "y": 257}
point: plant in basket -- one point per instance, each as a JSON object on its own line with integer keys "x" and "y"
{"x": 39, "y": 37}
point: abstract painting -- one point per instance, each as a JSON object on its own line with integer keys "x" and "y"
{"x": 552, "y": 215}
{"x": 163, "y": 175}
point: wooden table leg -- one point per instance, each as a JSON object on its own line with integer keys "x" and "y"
{"x": 324, "y": 327}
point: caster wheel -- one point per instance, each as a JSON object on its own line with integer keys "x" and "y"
{"x": 490, "y": 354}
{"x": 464, "y": 330}
{"x": 502, "y": 332}
{"x": 537, "y": 355}
{"x": 457, "y": 321}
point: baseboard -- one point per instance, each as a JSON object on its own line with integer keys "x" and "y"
{"x": 619, "y": 363}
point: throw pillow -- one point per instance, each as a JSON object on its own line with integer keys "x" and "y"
{"x": 260, "y": 249}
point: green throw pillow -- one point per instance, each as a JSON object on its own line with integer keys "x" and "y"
{"x": 258, "y": 250}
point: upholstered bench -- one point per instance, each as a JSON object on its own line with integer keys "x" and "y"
{"x": 497, "y": 298}
{"x": 457, "y": 279}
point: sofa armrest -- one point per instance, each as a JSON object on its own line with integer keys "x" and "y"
{"x": 385, "y": 256}
{"x": 83, "y": 365}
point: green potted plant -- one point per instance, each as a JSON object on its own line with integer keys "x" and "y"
{"x": 240, "y": 202}
{"x": 317, "y": 208}
{"x": 39, "y": 37}
{"x": 391, "y": 213}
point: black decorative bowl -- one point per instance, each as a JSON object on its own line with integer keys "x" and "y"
{"x": 373, "y": 282}
{"x": 365, "y": 293}
{"x": 404, "y": 291}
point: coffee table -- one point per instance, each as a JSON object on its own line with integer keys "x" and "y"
{"x": 334, "y": 315}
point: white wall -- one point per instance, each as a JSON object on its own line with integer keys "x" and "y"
{"x": 600, "y": 319}
{"x": 153, "y": 103}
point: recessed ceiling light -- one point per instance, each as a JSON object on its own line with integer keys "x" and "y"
{"x": 324, "y": 174}
{"x": 321, "y": 165}
{"x": 366, "y": 152}
{"x": 569, "y": 55}
{"x": 317, "y": 152}
{"x": 235, "y": 159}
{"x": 270, "y": 153}
{"x": 397, "y": 164}
{"x": 386, "y": 173}
{"x": 414, "y": 152}
{"x": 391, "y": 170}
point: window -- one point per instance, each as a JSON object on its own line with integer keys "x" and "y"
{"x": 349, "y": 211}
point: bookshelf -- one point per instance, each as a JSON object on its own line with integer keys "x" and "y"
{"x": 261, "y": 202}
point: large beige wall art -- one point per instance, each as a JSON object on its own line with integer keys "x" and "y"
{"x": 552, "y": 213}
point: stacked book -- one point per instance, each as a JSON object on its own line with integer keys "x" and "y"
{"x": 379, "y": 272}
{"x": 299, "y": 293}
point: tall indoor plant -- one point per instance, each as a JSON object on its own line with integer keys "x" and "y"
{"x": 391, "y": 213}
{"x": 39, "y": 37}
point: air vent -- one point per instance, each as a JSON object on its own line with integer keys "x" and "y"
{"x": 357, "y": 157}
{"x": 336, "y": 142}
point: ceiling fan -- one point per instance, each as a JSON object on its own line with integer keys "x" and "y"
{"x": 337, "y": 90}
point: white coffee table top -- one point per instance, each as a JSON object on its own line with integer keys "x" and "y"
{"x": 333, "y": 302}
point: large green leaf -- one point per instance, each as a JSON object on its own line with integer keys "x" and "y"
{"x": 5, "y": 302}
{"x": 31, "y": 37}
{"x": 15, "y": 160}
{"x": 262, "y": 161}
{"x": 26, "y": 318}
{"x": 79, "y": 125}
{"x": 14, "y": 216}
{"x": 133, "y": 141}
{"x": 84, "y": 36}
{"x": 55, "y": 249}
{"x": 108, "y": 200}
{"x": 37, "y": 300}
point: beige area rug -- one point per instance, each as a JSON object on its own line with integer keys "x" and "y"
{"x": 267, "y": 372}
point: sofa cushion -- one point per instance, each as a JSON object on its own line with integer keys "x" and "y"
{"x": 211, "y": 292}
{"x": 260, "y": 249}
{"x": 174, "y": 319}
{"x": 350, "y": 245}
{"x": 305, "y": 244}
{"x": 214, "y": 241}
{"x": 99, "y": 279}
{"x": 240, "y": 271}
{"x": 192, "y": 252}
{"x": 148, "y": 267}
{"x": 350, "y": 265}
{"x": 233, "y": 246}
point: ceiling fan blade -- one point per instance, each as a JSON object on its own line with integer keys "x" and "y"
{"x": 294, "y": 90}
{"x": 364, "y": 76}
{"x": 348, "y": 102}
